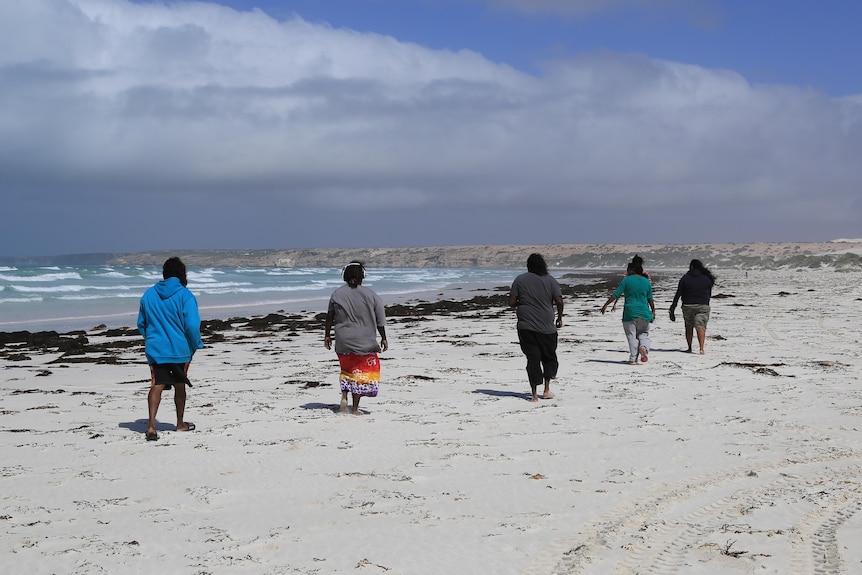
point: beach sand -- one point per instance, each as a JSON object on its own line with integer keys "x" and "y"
{"x": 747, "y": 459}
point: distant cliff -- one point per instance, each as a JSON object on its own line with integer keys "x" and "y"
{"x": 803, "y": 254}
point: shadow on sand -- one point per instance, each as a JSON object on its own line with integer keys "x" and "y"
{"x": 498, "y": 393}
{"x": 140, "y": 426}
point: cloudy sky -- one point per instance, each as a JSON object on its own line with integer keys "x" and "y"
{"x": 141, "y": 125}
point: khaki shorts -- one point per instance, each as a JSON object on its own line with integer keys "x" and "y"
{"x": 695, "y": 315}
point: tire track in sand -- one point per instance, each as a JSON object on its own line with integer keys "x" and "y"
{"x": 799, "y": 505}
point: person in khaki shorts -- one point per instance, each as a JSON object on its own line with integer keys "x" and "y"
{"x": 695, "y": 290}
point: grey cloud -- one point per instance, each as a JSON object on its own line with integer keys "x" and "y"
{"x": 204, "y": 105}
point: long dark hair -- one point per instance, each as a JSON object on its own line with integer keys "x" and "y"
{"x": 698, "y": 265}
{"x": 636, "y": 266}
{"x": 175, "y": 268}
{"x": 536, "y": 264}
{"x": 353, "y": 273}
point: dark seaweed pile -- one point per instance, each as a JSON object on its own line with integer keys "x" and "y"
{"x": 125, "y": 345}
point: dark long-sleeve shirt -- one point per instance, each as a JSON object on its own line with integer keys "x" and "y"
{"x": 694, "y": 288}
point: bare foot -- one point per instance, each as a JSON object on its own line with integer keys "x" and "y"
{"x": 548, "y": 395}
{"x": 357, "y": 412}
{"x": 186, "y": 427}
{"x": 535, "y": 399}
{"x": 343, "y": 407}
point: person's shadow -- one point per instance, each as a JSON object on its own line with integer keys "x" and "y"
{"x": 334, "y": 407}
{"x": 140, "y": 426}
{"x": 625, "y": 353}
{"x": 499, "y": 393}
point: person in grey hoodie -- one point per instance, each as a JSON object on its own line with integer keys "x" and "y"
{"x": 168, "y": 319}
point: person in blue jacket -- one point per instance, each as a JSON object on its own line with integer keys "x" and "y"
{"x": 171, "y": 325}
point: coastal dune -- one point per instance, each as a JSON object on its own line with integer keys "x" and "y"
{"x": 747, "y": 459}
{"x": 512, "y": 256}
{"x": 757, "y": 254}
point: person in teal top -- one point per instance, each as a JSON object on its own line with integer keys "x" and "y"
{"x": 638, "y": 311}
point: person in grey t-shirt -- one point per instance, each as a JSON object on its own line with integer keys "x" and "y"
{"x": 534, "y": 295}
{"x": 356, "y": 313}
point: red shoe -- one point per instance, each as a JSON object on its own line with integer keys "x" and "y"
{"x": 643, "y": 353}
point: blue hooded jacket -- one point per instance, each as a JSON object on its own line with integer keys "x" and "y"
{"x": 169, "y": 321}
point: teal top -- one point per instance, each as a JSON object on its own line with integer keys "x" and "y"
{"x": 638, "y": 292}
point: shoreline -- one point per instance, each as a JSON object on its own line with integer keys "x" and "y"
{"x": 585, "y": 259}
{"x": 76, "y": 342}
{"x": 214, "y": 312}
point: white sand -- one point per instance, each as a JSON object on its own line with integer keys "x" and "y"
{"x": 689, "y": 464}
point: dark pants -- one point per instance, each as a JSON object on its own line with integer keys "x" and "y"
{"x": 541, "y": 352}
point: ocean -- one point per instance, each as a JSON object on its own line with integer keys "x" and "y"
{"x": 68, "y": 298}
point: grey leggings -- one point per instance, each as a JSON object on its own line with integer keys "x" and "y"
{"x": 637, "y": 334}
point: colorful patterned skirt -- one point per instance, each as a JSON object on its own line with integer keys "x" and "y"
{"x": 360, "y": 374}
